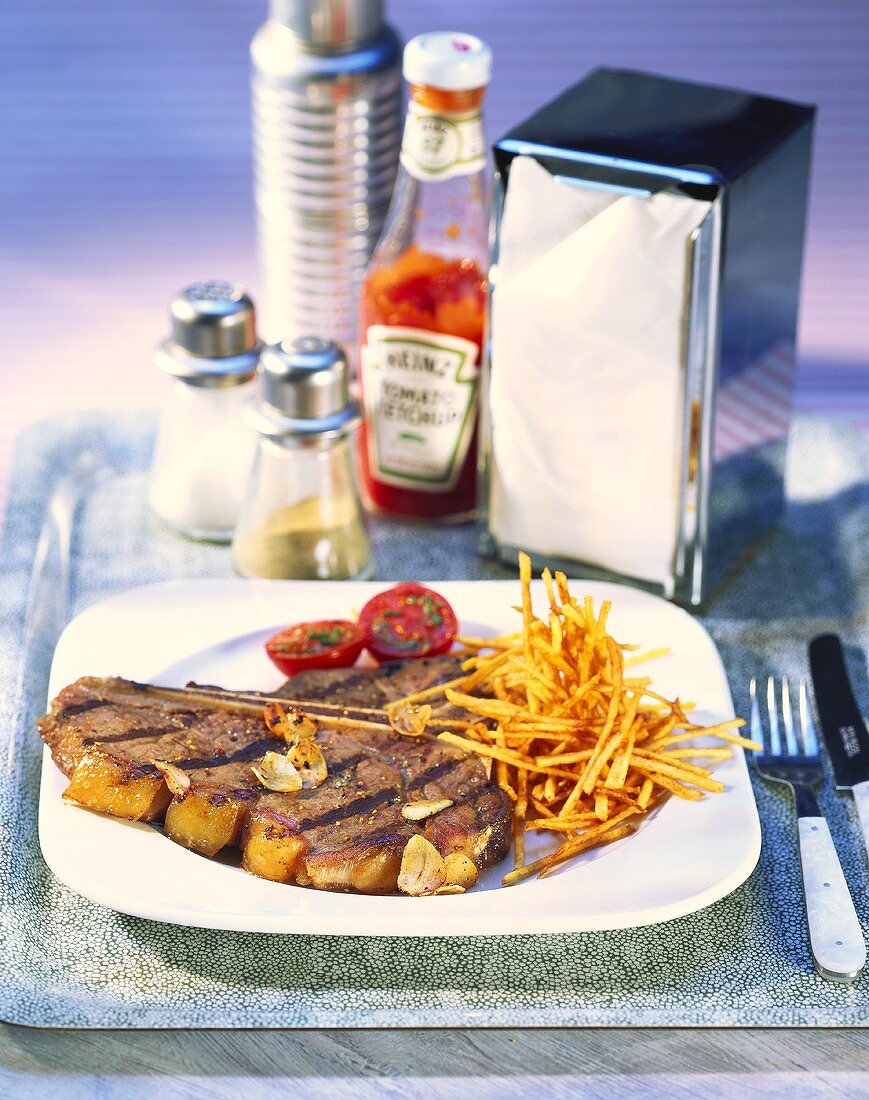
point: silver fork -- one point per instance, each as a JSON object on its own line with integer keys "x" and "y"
{"x": 835, "y": 935}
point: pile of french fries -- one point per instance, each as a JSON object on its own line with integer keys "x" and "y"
{"x": 584, "y": 748}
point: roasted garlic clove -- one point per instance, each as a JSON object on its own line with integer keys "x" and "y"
{"x": 422, "y": 868}
{"x": 277, "y": 773}
{"x": 290, "y": 723}
{"x": 481, "y": 842}
{"x": 409, "y": 719}
{"x": 460, "y": 870}
{"x": 425, "y": 807}
{"x": 177, "y": 780}
{"x": 310, "y": 763}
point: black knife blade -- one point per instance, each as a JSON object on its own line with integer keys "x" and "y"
{"x": 845, "y": 733}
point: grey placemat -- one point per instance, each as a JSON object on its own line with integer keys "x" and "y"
{"x": 742, "y": 961}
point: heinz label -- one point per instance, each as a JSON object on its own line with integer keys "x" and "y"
{"x": 437, "y": 145}
{"x": 420, "y": 398}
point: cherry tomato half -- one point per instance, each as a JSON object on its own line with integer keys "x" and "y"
{"x": 407, "y": 621}
{"x": 327, "y": 643}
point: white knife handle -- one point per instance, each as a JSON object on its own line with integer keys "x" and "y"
{"x": 835, "y": 935}
{"x": 861, "y": 797}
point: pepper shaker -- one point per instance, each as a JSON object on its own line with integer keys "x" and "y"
{"x": 302, "y": 515}
{"x": 204, "y": 446}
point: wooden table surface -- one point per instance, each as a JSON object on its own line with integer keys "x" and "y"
{"x": 569, "y": 1063}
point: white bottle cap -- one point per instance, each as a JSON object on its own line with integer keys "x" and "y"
{"x": 454, "y": 62}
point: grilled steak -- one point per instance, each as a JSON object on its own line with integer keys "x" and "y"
{"x": 105, "y": 734}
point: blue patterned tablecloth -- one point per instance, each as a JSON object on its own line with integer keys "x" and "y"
{"x": 743, "y": 961}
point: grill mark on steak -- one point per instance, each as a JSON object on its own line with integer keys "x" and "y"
{"x": 134, "y": 734}
{"x": 182, "y": 719}
{"x": 80, "y": 708}
{"x": 362, "y": 805}
{"x": 252, "y": 751}
{"x": 346, "y": 765}
{"x": 437, "y": 772}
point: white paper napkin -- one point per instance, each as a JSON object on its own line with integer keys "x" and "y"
{"x": 586, "y": 395}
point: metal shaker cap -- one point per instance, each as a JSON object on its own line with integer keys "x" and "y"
{"x": 213, "y": 339}
{"x": 304, "y": 390}
{"x": 330, "y": 24}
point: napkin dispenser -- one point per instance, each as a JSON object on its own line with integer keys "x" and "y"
{"x": 648, "y": 240}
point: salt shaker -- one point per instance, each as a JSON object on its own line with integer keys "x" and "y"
{"x": 204, "y": 446}
{"x": 302, "y": 516}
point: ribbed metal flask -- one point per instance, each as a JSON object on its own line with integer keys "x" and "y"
{"x": 327, "y": 134}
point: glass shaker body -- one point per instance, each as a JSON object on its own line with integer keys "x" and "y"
{"x": 302, "y": 516}
{"x": 202, "y": 459}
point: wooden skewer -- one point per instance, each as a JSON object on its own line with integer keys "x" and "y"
{"x": 255, "y": 704}
{"x": 302, "y": 704}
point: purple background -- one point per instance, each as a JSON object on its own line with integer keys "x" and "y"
{"x": 125, "y": 170}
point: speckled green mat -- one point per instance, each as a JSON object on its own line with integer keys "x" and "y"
{"x": 743, "y": 961}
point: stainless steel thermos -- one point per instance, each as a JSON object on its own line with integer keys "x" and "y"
{"x": 327, "y": 133}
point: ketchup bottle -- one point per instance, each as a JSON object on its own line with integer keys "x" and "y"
{"x": 423, "y": 299}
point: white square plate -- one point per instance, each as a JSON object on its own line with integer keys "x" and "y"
{"x": 685, "y": 856}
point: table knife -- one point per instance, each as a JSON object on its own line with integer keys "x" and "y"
{"x": 845, "y": 733}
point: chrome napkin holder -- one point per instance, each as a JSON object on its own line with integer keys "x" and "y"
{"x": 747, "y": 156}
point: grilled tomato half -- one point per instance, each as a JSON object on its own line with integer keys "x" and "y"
{"x": 326, "y": 643}
{"x": 408, "y": 620}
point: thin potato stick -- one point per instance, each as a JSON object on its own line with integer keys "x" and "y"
{"x": 543, "y": 722}
{"x": 665, "y": 758}
{"x": 619, "y": 770}
{"x": 577, "y": 695}
{"x": 678, "y": 789}
{"x": 488, "y": 708}
{"x": 649, "y": 655}
{"x": 530, "y": 670}
{"x": 567, "y": 825}
{"x": 484, "y": 670}
{"x": 712, "y": 731}
{"x": 731, "y": 738}
{"x": 600, "y": 625}
{"x": 603, "y": 745}
{"x": 525, "y": 584}
{"x": 551, "y": 654}
{"x": 594, "y": 767}
{"x": 499, "y": 754}
{"x": 645, "y": 793}
{"x": 541, "y": 807}
{"x": 563, "y": 758}
{"x": 571, "y": 847}
{"x": 426, "y": 693}
{"x": 610, "y": 837}
{"x": 699, "y": 754}
{"x": 656, "y": 770}
{"x": 519, "y": 814}
{"x": 502, "y": 641}
{"x": 546, "y": 576}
